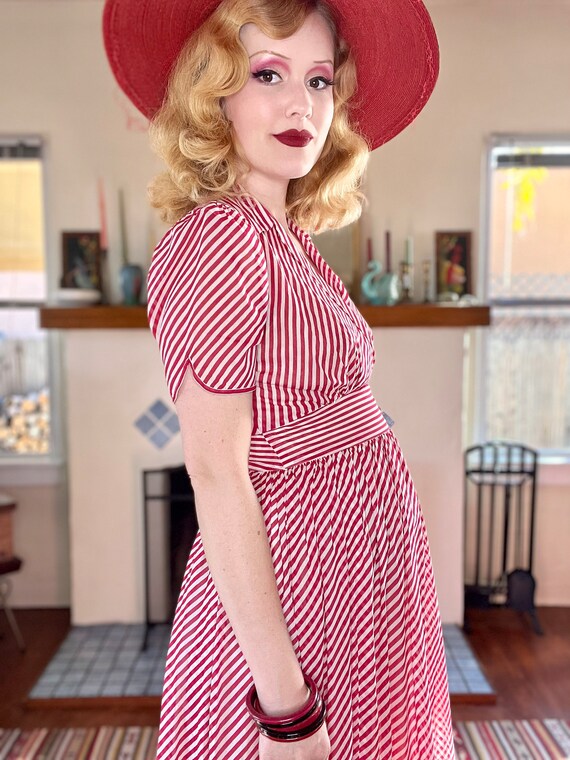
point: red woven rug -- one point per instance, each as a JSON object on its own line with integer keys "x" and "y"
{"x": 493, "y": 740}
{"x": 106, "y": 743}
{"x": 513, "y": 740}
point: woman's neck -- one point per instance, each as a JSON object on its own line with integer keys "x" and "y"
{"x": 271, "y": 195}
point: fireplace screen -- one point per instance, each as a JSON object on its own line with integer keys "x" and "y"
{"x": 170, "y": 527}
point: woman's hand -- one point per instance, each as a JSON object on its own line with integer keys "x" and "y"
{"x": 315, "y": 747}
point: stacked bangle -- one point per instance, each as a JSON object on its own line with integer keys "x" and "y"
{"x": 294, "y": 727}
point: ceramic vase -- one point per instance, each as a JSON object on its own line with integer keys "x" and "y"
{"x": 131, "y": 280}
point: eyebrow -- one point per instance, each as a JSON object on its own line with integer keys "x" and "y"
{"x": 272, "y": 52}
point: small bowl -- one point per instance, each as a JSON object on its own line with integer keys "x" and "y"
{"x": 78, "y": 296}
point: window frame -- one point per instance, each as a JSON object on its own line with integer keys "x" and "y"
{"x": 40, "y": 469}
{"x": 476, "y": 413}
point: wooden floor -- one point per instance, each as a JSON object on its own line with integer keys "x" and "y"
{"x": 530, "y": 673}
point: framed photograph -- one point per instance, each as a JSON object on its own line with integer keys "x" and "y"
{"x": 81, "y": 260}
{"x": 453, "y": 262}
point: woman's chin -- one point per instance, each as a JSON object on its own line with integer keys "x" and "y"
{"x": 300, "y": 170}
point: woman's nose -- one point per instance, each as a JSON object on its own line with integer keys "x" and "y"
{"x": 300, "y": 102}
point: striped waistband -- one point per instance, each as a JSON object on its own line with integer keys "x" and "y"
{"x": 349, "y": 420}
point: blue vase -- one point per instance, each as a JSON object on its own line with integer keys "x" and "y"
{"x": 381, "y": 289}
{"x": 131, "y": 280}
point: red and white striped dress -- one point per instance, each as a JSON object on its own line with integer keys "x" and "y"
{"x": 230, "y": 297}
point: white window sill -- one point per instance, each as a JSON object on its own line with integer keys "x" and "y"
{"x": 31, "y": 471}
{"x": 554, "y": 472}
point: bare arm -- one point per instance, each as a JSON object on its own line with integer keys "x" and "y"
{"x": 216, "y": 432}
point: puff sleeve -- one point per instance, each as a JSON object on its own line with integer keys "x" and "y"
{"x": 208, "y": 300}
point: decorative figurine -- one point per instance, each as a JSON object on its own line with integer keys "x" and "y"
{"x": 381, "y": 289}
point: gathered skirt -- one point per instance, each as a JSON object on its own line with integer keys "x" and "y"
{"x": 354, "y": 575}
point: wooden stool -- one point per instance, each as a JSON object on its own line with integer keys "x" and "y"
{"x": 7, "y": 506}
{"x": 9, "y": 563}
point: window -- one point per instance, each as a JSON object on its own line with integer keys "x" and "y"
{"x": 24, "y": 385}
{"x": 526, "y": 386}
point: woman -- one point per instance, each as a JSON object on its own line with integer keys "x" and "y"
{"x": 307, "y": 625}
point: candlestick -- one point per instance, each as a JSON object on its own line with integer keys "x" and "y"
{"x": 388, "y": 253}
{"x": 103, "y": 239}
{"x": 409, "y": 251}
{"x": 426, "y": 269}
{"x": 103, "y": 242}
{"x": 123, "y": 227}
{"x": 407, "y": 278}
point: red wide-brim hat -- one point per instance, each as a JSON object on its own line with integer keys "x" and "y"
{"x": 393, "y": 43}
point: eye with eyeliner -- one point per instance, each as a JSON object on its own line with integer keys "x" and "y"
{"x": 269, "y": 72}
{"x": 263, "y": 73}
{"x": 329, "y": 82}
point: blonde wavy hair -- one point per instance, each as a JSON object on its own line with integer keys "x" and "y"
{"x": 194, "y": 138}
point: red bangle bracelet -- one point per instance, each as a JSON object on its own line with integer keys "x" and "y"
{"x": 252, "y": 702}
{"x": 295, "y": 726}
{"x": 293, "y": 735}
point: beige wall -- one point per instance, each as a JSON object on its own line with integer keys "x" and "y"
{"x": 107, "y": 455}
{"x": 551, "y": 556}
{"x": 504, "y": 68}
{"x": 411, "y": 381}
{"x": 41, "y": 537}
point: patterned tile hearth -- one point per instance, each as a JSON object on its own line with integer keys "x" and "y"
{"x": 99, "y": 661}
{"x": 466, "y": 679}
{"x": 106, "y": 661}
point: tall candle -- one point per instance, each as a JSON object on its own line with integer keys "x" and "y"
{"x": 103, "y": 238}
{"x": 410, "y": 251}
{"x": 388, "y": 252}
{"x": 123, "y": 225}
{"x": 369, "y": 250}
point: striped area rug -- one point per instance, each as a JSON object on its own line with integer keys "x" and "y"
{"x": 513, "y": 740}
{"x": 106, "y": 743}
{"x": 493, "y": 740}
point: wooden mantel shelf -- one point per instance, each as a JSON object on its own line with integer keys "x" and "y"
{"x": 93, "y": 317}
{"x": 426, "y": 315}
{"x": 134, "y": 317}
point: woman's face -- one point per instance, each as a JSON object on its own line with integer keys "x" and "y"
{"x": 288, "y": 89}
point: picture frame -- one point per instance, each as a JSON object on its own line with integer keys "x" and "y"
{"x": 81, "y": 260}
{"x": 453, "y": 262}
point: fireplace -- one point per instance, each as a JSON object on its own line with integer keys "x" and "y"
{"x": 170, "y": 527}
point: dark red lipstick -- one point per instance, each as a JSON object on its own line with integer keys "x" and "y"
{"x": 294, "y": 138}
